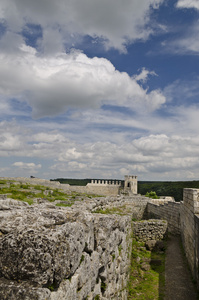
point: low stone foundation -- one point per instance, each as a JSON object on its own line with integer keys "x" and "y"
{"x": 150, "y": 230}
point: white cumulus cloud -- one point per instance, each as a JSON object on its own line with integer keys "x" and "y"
{"x": 51, "y": 85}
{"x": 115, "y": 22}
{"x": 143, "y": 76}
{"x": 27, "y": 166}
{"x": 188, "y": 4}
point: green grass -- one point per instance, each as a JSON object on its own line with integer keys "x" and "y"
{"x": 64, "y": 204}
{"x": 39, "y": 187}
{"x": 24, "y": 186}
{"x": 114, "y": 210}
{"x": 29, "y": 201}
{"x": 3, "y": 181}
{"x": 24, "y": 192}
{"x": 61, "y": 197}
{"x": 146, "y": 284}
{"x": 82, "y": 259}
{"x": 103, "y": 286}
{"x": 27, "y": 192}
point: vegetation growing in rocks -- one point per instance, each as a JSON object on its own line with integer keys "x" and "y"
{"x": 167, "y": 188}
{"x": 103, "y": 286}
{"x": 61, "y": 204}
{"x": 152, "y": 195}
{"x": 162, "y": 188}
{"x": 28, "y": 193}
{"x": 120, "y": 210}
{"x": 147, "y": 273}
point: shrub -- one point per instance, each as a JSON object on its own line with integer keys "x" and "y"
{"x": 152, "y": 195}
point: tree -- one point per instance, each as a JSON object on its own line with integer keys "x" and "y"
{"x": 152, "y": 195}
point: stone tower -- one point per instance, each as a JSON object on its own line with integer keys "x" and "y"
{"x": 130, "y": 183}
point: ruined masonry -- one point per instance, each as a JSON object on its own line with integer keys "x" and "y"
{"x": 74, "y": 253}
{"x": 99, "y": 187}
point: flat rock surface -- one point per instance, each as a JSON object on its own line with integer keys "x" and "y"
{"x": 179, "y": 285}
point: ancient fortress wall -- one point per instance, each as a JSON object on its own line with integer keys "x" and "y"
{"x": 70, "y": 253}
{"x": 182, "y": 218}
{"x": 99, "y": 187}
{"x": 169, "y": 211}
{"x": 150, "y": 230}
{"x": 75, "y": 253}
{"x": 190, "y": 228}
{"x": 55, "y": 253}
{"x": 103, "y": 262}
{"x": 196, "y": 254}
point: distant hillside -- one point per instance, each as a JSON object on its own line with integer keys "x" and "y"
{"x": 166, "y": 188}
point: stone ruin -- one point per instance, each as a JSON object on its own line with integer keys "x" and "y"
{"x": 67, "y": 253}
{"x": 78, "y": 252}
{"x": 130, "y": 184}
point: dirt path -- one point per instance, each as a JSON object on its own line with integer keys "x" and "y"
{"x": 179, "y": 285}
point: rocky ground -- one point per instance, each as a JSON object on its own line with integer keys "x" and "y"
{"x": 59, "y": 247}
{"x": 58, "y": 243}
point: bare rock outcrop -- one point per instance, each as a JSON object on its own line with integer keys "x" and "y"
{"x": 81, "y": 252}
{"x": 48, "y": 252}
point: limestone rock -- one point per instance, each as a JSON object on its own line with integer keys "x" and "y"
{"x": 53, "y": 253}
{"x": 10, "y": 290}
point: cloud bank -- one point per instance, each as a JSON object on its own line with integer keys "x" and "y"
{"x": 115, "y": 22}
{"x": 51, "y": 85}
{"x": 65, "y": 113}
{"x": 154, "y": 154}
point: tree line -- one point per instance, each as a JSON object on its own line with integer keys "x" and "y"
{"x": 161, "y": 188}
{"x": 166, "y": 188}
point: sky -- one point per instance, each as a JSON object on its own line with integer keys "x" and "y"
{"x": 99, "y": 89}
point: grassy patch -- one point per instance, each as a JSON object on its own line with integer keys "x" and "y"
{"x": 24, "y": 186}
{"x": 39, "y": 187}
{"x": 63, "y": 198}
{"x": 120, "y": 249}
{"x": 3, "y": 181}
{"x": 114, "y": 210}
{"x": 147, "y": 274}
{"x": 27, "y": 193}
{"x": 64, "y": 204}
{"x": 82, "y": 259}
{"x": 103, "y": 287}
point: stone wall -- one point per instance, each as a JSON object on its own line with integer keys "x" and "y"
{"x": 150, "y": 230}
{"x": 189, "y": 228}
{"x": 90, "y": 188}
{"x": 169, "y": 211}
{"x": 55, "y": 253}
{"x": 130, "y": 183}
{"x": 134, "y": 206}
{"x": 195, "y": 270}
{"x": 99, "y": 189}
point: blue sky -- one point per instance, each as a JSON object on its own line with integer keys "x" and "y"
{"x": 99, "y": 89}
